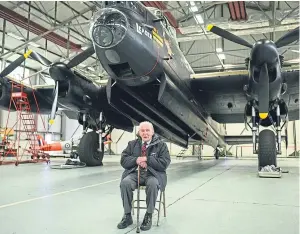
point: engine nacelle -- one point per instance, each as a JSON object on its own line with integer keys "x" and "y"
{"x": 79, "y": 93}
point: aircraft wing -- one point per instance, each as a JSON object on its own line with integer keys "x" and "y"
{"x": 224, "y": 99}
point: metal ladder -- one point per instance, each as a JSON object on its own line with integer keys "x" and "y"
{"x": 181, "y": 153}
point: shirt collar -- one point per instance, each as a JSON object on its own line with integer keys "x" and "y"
{"x": 148, "y": 142}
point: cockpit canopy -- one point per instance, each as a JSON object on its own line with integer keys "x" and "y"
{"x": 141, "y": 10}
{"x": 159, "y": 14}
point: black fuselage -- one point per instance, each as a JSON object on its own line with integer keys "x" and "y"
{"x": 140, "y": 53}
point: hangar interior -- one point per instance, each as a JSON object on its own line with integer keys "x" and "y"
{"x": 67, "y": 33}
{"x": 59, "y": 30}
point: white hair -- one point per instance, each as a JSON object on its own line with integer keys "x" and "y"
{"x": 146, "y": 122}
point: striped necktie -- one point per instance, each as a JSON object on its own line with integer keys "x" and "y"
{"x": 144, "y": 149}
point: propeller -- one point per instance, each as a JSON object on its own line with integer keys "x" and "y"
{"x": 81, "y": 57}
{"x": 283, "y": 41}
{"x": 21, "y": 59}
{"x": 263, "y": 92}
{"x": 288, "y": 38}
{"x": 229, "y": 36}
{"x": 63, "y": 69}
{"x": 54, "y": 105}
{"x": 41, "y": 59}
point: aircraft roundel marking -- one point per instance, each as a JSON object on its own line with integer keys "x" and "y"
{"x": 67, "y": 145}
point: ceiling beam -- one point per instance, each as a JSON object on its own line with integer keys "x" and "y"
{"x": 65, "y": 23}
{"x": 35, "y": 28}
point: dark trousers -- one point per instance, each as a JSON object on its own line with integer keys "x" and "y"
{"x": 129, "y": 184}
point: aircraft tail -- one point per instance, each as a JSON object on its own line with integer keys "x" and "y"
{"x": 41, "y": 140}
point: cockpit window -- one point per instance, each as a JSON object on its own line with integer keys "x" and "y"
{"x": 114, "y": 3}
{"x": 169, "y": 27}
{"x": 135, "y": 6}
{"x": 165, "y": 22}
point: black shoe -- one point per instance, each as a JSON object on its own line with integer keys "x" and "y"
{"x": 125, "y": 222}
{"x": 147, "y": 222}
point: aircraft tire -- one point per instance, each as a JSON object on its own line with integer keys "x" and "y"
{"x": 87, "y": 150}
{"x": 267, "y": 148}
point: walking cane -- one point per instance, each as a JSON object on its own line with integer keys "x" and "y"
{"x": 138, "y": 202}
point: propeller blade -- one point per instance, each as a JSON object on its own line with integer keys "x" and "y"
{"x": 263, "y": 92}
{"x": 288, "y": 38}
{"x": 81, "y": 57}
{"x": 54, "y": 105}
{"x": 227, "y": 35}
{"x": 15, "y": 64}
{"x": 39, "y": 58}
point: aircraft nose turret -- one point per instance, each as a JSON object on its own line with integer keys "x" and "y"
{"x": 109, "y": 27}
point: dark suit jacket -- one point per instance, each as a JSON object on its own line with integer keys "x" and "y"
{"x": 158, "y": 159}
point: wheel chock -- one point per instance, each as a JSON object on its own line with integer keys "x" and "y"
{"x": 270, "y": 172}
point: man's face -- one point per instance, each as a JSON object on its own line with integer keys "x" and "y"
{"x": 146, "y": 132}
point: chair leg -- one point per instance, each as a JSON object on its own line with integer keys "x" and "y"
{"x": 164, "y": 198}
{"x": 159, "y": 208}
{"x": 132, "y": 205}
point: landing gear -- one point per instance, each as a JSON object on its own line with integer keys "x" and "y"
{"x": 91, "y": 146}
{"x": 88, "y": 149}
{"x": 217, "y": 153}
{"x": 267, "y": 149}
{"x": 267, "y": 144}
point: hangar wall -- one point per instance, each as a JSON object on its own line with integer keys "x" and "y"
{"x": 121, "y": 138}
{"x": 64, "y": 128}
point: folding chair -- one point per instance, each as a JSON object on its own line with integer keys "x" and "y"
{"x": 162, "y": 200}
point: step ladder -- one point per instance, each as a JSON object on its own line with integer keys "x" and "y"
{"x": 181, "y": 153}
{"x": 21, "y": 103}
{"x": 23, "y": 109}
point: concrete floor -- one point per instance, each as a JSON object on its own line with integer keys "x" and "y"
{"x": 208, "y": 196}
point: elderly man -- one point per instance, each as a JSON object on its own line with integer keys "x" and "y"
{"x": 152, "y": 155}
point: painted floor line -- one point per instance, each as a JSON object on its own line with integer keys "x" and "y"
{"x": 56, "y": 194}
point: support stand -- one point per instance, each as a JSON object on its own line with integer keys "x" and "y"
{"x": 100, "y": 132}
{"x": 278, "y": 130}
{"x": 254, "y": 131}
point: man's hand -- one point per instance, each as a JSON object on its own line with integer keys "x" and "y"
{"x": 141, "y": 159}
{"x": 143, "y": 164}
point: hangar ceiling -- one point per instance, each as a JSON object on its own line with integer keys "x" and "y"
{"x": 60, "y": 30}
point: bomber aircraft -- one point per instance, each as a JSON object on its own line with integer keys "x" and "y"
{"x": 150, "y": 79}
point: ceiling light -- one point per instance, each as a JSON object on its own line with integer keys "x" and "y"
{"x": 199, "y": 19}
{"x": 222, "y": 56}
{"x": 219, "y": 50}
{"x": 292, "y": 61}
{"x": 48, "y": 138}
{"x": 15, "y": 36}
{"x": 34, "y": 44}
{"x": 296, "y": 51}
{"x": 194, "y": 9}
